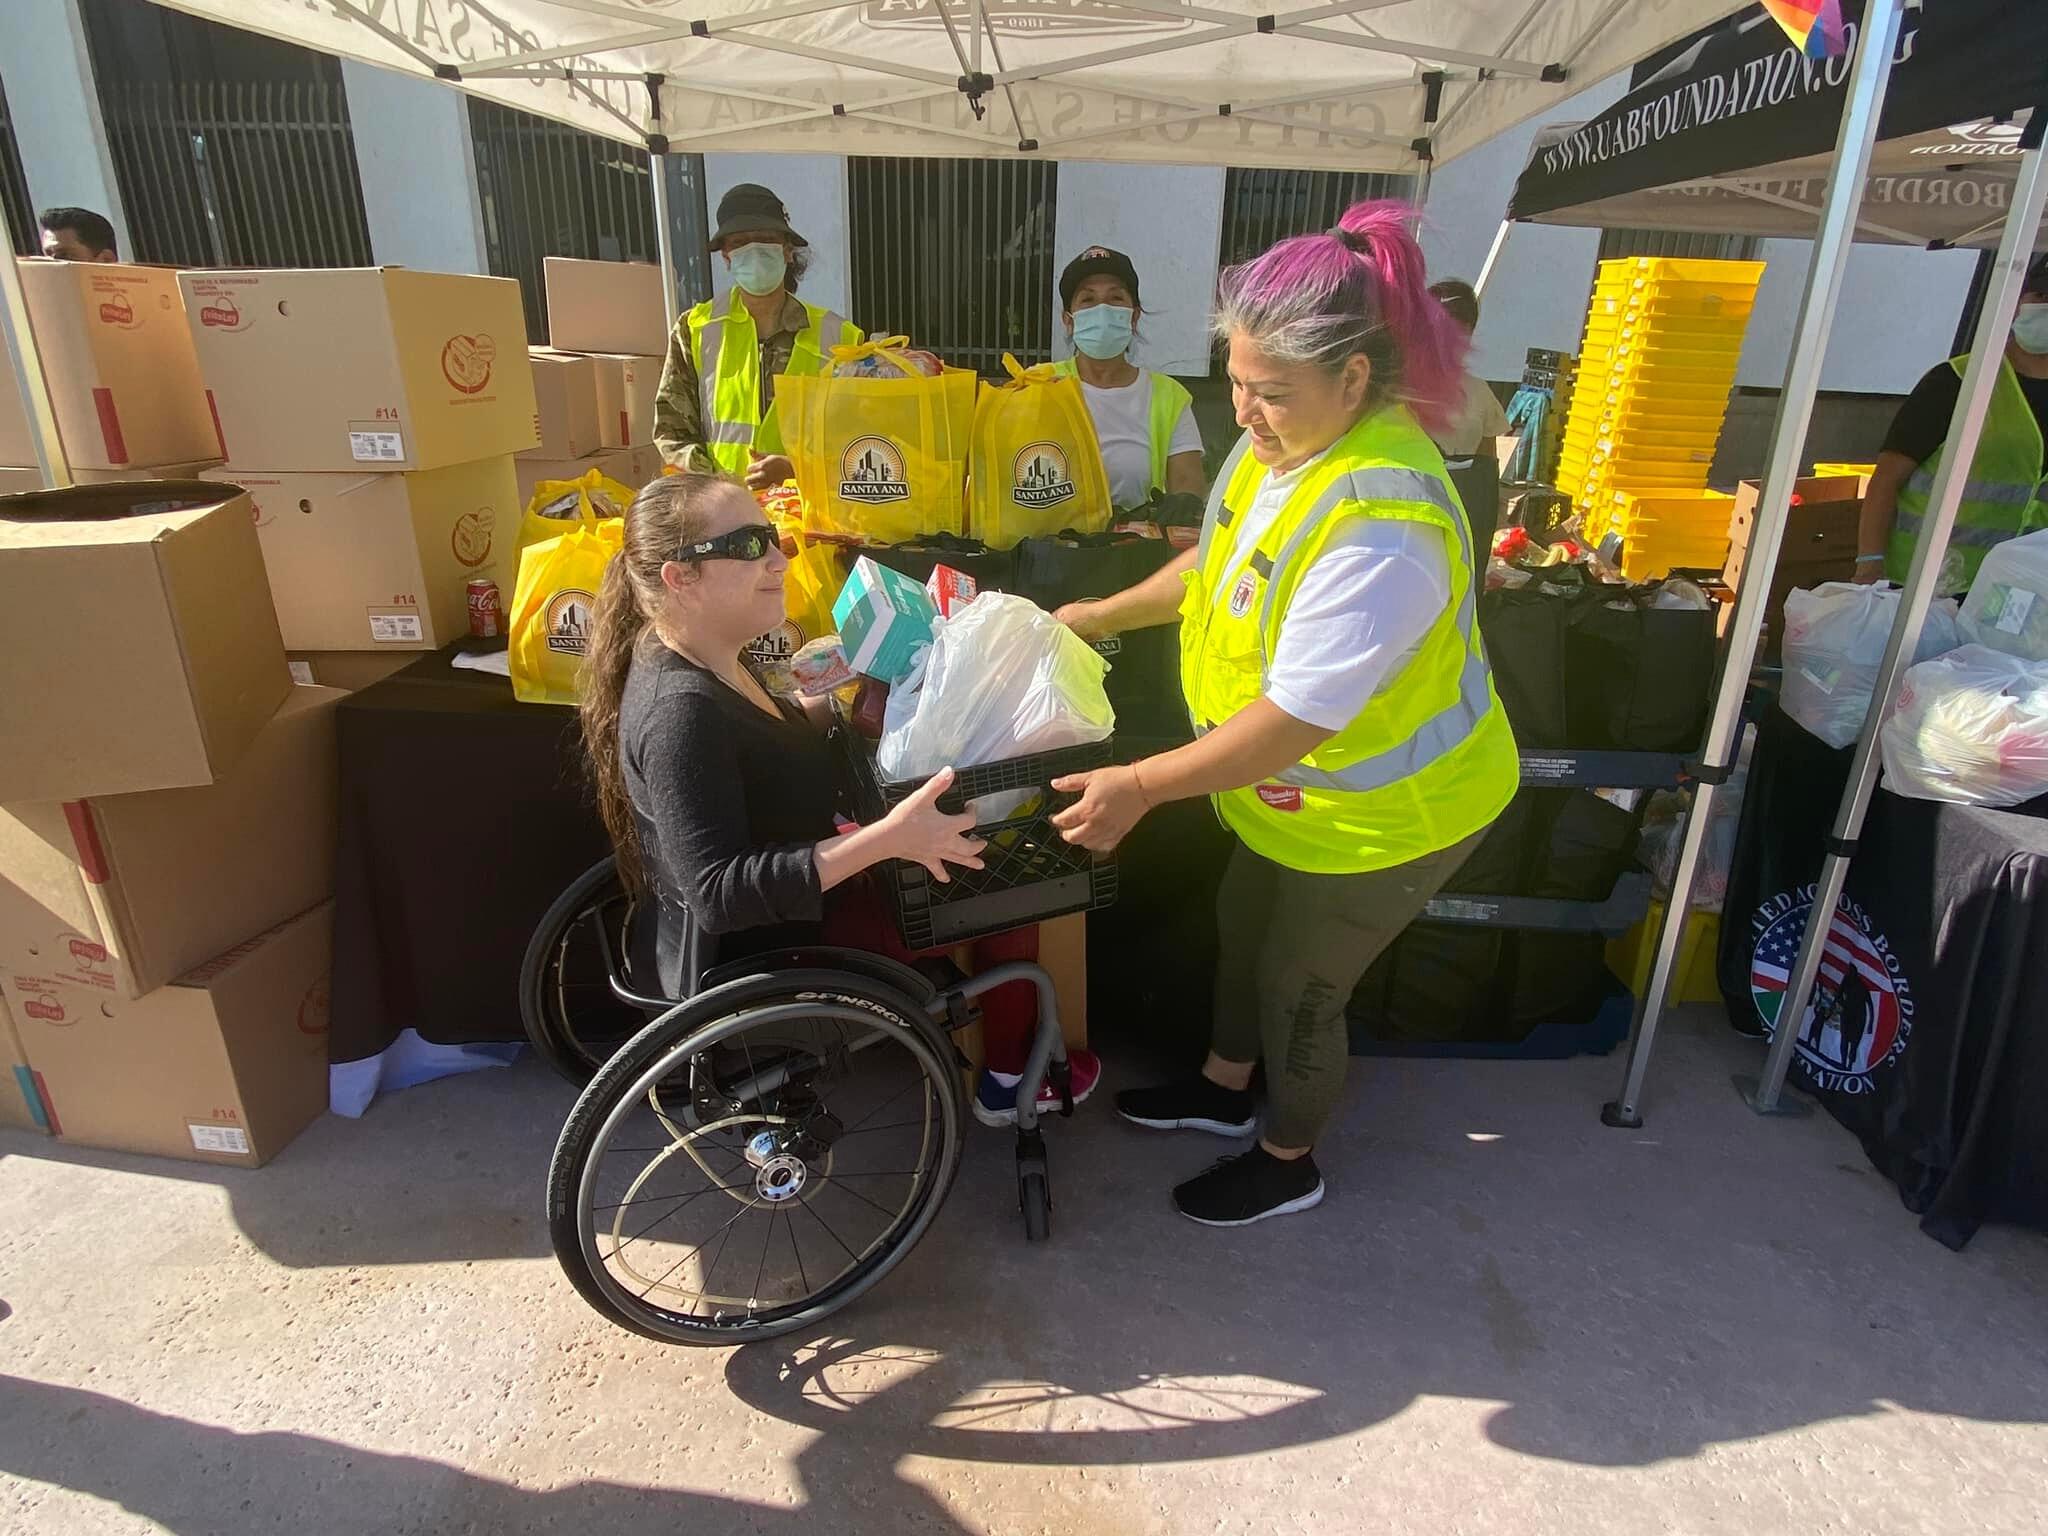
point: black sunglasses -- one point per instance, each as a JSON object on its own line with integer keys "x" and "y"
{"x": 752, "y": 542}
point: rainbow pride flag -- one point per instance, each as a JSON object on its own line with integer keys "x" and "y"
{"x": 1815, "y": 25}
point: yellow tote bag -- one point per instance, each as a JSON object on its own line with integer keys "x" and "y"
{"x": 553, "y": 606}
{"x": 815, "y": 575}
{"x": 882, "y": 460}
{"x": 557, "y": 503}
{"x": 1036, "y": 467}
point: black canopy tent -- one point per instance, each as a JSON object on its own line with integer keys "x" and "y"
{"x": 1734, "y": 134}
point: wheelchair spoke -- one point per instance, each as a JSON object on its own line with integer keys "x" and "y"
{"x": 796, "y": 1249}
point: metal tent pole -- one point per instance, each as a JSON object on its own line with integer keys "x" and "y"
{"x": 1965, "y": 427}
{"x": 1876, "y": 44}
{"x": 1493, "y": 254}
{"x": 664, "y": 237}
{"x": 27, "y": 359}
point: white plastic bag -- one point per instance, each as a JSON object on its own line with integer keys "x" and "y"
{"x": 1835, "y": 635}
{"x": 1971, "y": 728}
{"x": 2007, "y": 606}
{"x": 1002, "y": 679}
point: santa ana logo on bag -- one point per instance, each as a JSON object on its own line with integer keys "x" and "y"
{"x": 1861, "y": 1013}
{"x": 568, "y": 621}
{"x": 1040, "y": 477}
{"x": 871, "y": 470}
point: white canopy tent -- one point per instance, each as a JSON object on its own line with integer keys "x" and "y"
{"x": 1355, "y": 85}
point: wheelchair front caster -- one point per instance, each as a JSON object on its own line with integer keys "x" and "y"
{"x": 1034, "y": 1186}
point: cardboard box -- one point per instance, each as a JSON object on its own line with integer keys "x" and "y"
{"x": 137, "y": 651}
{"x": 565, "y": 394}
{"x": 21, "y": 1097}
{"x": 225, "y": 1065}
{"x": 14, "y": 481}
{"x": 350, "y": 671}
{"x": 629, "y": 384}
{"x": 118, "y": 357}
{"x": 1821, "y": 526}
{"x": 381, "y": 562}
{"x": 885, "y": 620}
{"x": 123, "y": 893}
{"x": 17, "y": 442}
{"x": 368, "y": 367}
{"x": 187, "y": 469}
{"x": 632, "y": 467}
{"x": 605, "y": 306}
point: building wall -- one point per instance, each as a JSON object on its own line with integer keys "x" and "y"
{"x": 56, "y": 111}
{"x": 418, "y": 171}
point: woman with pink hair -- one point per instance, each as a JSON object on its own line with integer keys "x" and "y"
{"x": 1347, "y": 729}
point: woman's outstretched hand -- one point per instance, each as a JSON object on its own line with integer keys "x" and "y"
{"x": 919, "y": 831}
{"x": 1112, "y": 802}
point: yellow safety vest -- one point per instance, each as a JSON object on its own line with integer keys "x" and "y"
{"x": 1431, "y": 759}
{"x": 1169, "y": 399}
{"x": 2001, "y": 500}
{"x": 726, "y": 351}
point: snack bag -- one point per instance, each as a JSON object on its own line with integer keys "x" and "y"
{"x": 878, "y": 459}
{"x": 552, "y": 609}
{"x": 557, "y": 503}
{"x": 1035, "y": 465}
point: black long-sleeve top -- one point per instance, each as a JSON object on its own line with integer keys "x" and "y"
{"x": 729, "y": 803}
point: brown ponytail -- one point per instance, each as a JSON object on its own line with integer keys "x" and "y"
{"x": 665, "y": 516}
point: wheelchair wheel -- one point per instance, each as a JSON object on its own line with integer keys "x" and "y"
{"x": 566, "y": 1002}
{"x": 757, "y": 1157}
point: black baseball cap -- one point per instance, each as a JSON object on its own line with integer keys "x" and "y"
{"x": 750, "y": 209}
{"x": 1098, "y": 261}
{"x": 2037, "y": 275}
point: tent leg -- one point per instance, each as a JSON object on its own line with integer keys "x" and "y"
{"x": 1865, "y": 100}
{"x": 664, "y": 237}
{"x": 1493, "y": 253}
{"x": 27, "y": 359}
{"x": 1965, "y": 427}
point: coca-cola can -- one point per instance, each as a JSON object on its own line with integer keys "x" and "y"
{"x": 486, "y": 611}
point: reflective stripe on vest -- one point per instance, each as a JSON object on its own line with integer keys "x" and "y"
{"x": 1999, "y": 500}
{"x": 728, "y": 379}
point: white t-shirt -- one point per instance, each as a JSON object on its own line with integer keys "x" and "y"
{"x": 1123, "y": 426}
{"x": 1479, "y": 417}
{"x": 1361, "y": 610}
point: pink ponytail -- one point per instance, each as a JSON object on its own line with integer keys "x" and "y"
{"x": 1357, "y": 288}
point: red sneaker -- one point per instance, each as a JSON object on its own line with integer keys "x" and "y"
{"x": 995, "y": 1096}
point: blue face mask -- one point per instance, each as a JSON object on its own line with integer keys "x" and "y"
{"x": 759, "y": 268}
{"x": 2030, "y": 328}
{"x": 1103, "y": 331}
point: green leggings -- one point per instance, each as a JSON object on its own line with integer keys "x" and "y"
{"x": 1291, "y": 949}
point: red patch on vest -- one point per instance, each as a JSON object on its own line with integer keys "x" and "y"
{"x": 1241, "y": 596}
{"x": 1281, "y": 797}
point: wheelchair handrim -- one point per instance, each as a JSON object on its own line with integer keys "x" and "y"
{"x": 896, "y": 1238}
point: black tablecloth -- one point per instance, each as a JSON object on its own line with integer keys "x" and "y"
{"x": 1930, "y": 1035}
{"x": 464, "y": 814}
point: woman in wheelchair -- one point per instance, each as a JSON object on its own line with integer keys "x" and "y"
{"x": 783, "y": 1128}
{"x": 720, "y": 797}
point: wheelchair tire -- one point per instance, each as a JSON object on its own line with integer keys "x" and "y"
{"x": 668, "y": 1053}
{"x": 545, "y": 1005}
{"x": 1034, "y": 1195}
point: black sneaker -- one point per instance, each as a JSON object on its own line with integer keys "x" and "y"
{"x": 1240, "y": 1190}
{"x": 1191, "y": 1104}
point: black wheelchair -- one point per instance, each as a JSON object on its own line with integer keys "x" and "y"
{"x": 746, "y": 1160}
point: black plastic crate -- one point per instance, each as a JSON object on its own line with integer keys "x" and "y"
{"x": 1029, "y": 872}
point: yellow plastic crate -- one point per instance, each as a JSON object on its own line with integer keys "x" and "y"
{"x": 1736, "y": 277}
{"x": 1674, "y": 307}
{"x": 1630, "y": 956}
{"x": 1850, "y": 471}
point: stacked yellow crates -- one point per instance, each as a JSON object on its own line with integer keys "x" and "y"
{"x": 1655, "y": 371}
